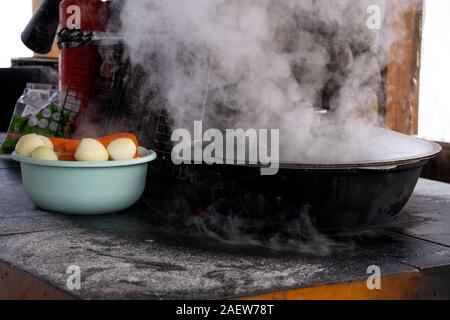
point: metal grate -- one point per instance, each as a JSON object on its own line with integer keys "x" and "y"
{"x": 113, "y": 103}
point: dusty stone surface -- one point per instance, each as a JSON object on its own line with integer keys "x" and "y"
{"x": 122, "y": 256}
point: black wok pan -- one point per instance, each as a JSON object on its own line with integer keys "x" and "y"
{"x": 334, "y": 197}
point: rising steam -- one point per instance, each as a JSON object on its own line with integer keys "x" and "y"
{"x": 311, "y": 68}
{"x": 265, "y": 64}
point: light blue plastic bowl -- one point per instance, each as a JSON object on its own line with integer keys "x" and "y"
{"x": 87, "y": 188}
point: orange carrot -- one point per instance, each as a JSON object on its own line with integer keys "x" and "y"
{"x": 66, "y": 157}
{"x": 66, "y": 148}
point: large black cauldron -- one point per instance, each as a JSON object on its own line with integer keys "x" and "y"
{"x": 330, "y": 197}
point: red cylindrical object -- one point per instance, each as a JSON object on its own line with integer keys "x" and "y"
{"x": 77, "y": 66}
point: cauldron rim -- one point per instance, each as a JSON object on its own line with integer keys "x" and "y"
{"x": 377, "y": 165}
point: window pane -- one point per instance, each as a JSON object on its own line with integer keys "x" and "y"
{"x": 434, "y": 117}
{"x": 14, "y": 16}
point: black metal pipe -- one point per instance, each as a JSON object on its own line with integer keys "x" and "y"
{"x": 40, "y": 32}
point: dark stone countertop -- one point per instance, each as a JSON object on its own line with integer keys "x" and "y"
{"x": 122, "y": 256}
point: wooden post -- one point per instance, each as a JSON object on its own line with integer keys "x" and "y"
{"x": 36, "y": 4}
{"x": 403, "y": 72}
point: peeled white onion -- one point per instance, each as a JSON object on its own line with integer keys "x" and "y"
{"x": 91, "y": 150}
{"x": 27, "y": 144}
{"x": 44, "y": 153}
{"x": 122, "y": 149}
{"x": 47, "y": 142}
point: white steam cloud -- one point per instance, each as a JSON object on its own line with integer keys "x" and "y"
{"x": 266, "y": 64}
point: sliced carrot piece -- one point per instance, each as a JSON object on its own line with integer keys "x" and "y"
{"x": 65, "y": 146}
{"x": 66, "y": 157}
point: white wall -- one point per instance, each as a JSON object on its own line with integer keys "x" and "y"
{"x": 14, "y": 16}
{"x": 434, "y": 109}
